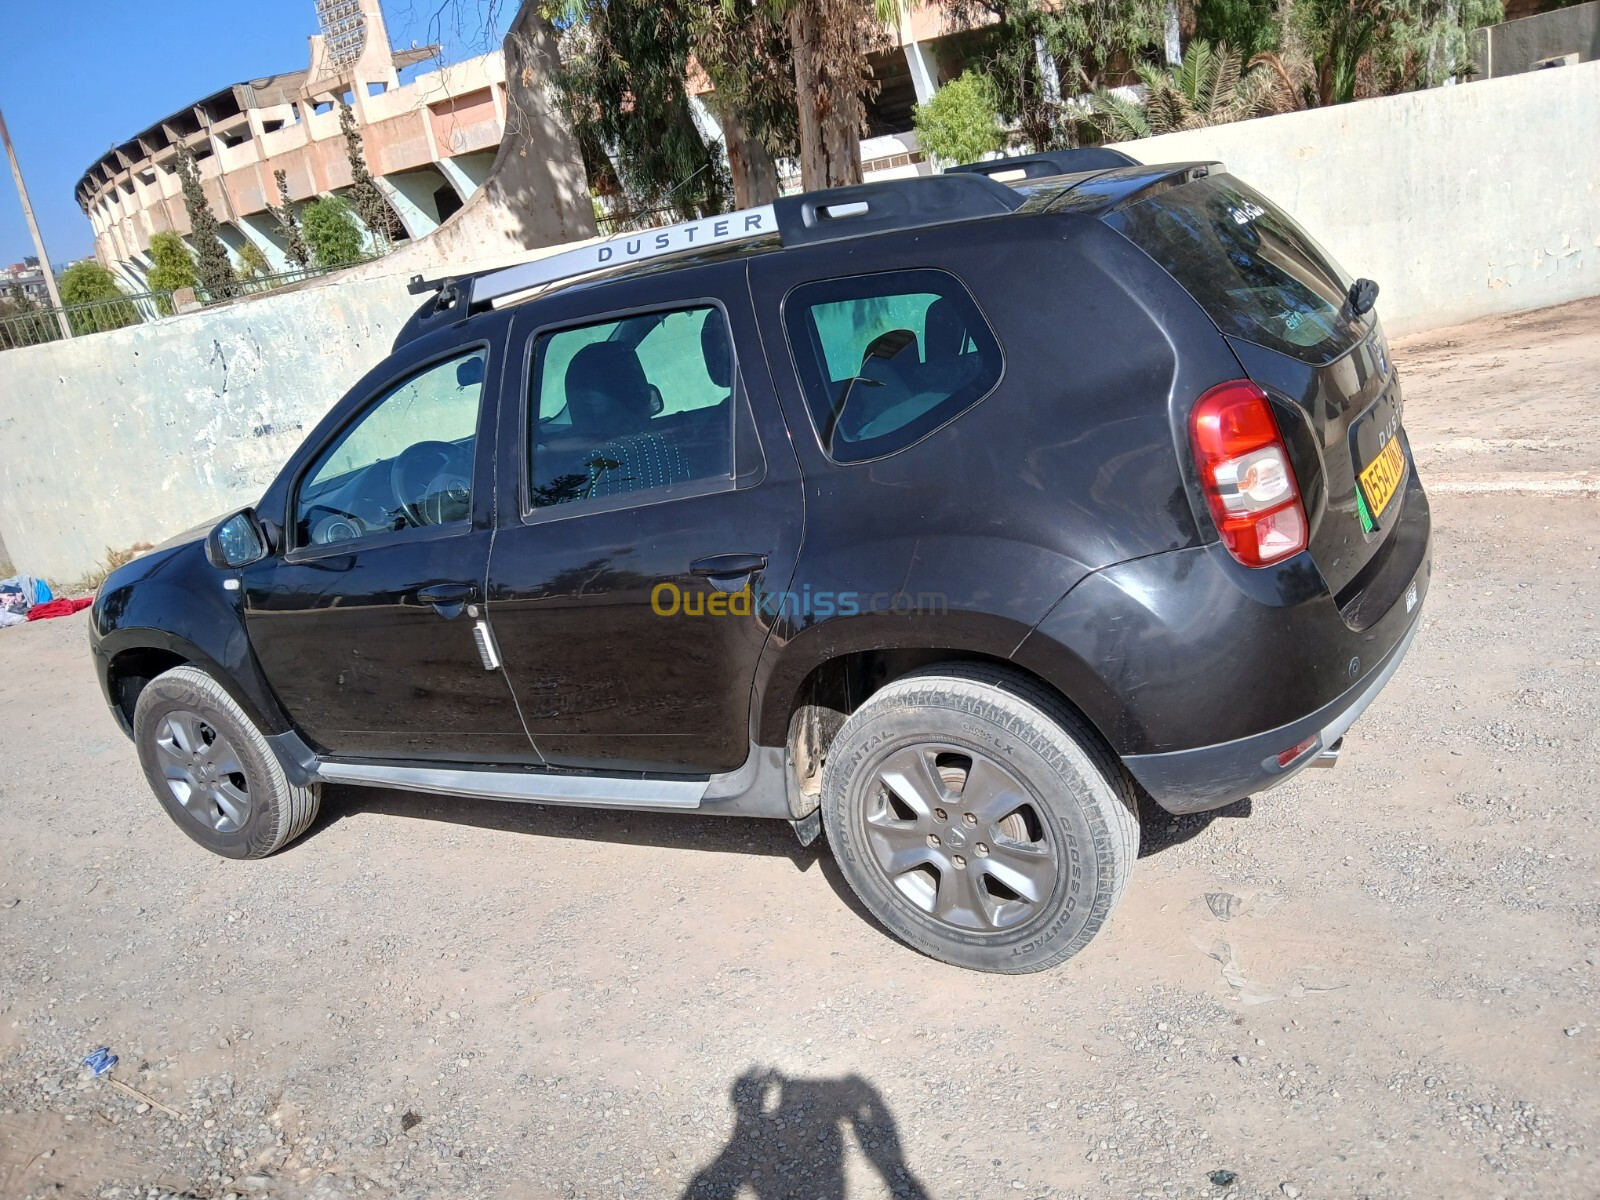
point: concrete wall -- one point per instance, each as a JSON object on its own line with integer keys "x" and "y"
{"x": 135, "y": 435}
{"x": 1514, "y": 46}
{"x": 1460, "y": 201}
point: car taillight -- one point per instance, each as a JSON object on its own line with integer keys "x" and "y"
{"x": 1244, "y": 468}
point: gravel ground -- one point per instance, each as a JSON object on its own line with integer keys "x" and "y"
{"x": 1376, "y": 981}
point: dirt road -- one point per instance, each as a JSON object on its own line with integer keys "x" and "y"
{"x": 1377, "y": 981}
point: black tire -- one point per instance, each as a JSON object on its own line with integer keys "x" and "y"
{"x": 245, "y": 813}
{"x": 1068, "y": 845}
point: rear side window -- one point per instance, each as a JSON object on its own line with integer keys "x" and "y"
{"x": 886, "y": 359}
{"x": 634, "y": 405}
{"x": 1257, "y": 273}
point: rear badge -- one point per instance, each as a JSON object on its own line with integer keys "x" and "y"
{"x": 1411, "y": 596}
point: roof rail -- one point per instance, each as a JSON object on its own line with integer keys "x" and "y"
{"x": 801, "y": 220}
{"x": 893, "y": 204}
{"x": 1055, "y": 162}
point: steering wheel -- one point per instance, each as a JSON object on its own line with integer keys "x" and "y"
{"x": 435, "y": 461}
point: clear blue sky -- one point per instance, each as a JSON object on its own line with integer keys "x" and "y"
{"x": 83, "y": 75}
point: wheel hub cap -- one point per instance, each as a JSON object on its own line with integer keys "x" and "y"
{"x": 203, "y": 771}
{"x": 960, "y": 837}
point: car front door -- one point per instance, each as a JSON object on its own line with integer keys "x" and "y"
{"x": 364, "y": 622}
{"x": 650, "y": 509}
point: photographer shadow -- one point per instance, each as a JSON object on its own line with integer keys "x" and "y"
{"x": 789, "y": 1140}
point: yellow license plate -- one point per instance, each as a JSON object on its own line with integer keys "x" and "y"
{"x": 1381, "y": 477}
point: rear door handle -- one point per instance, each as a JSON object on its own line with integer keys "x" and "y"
{"x": 447, "y": 598}
{"x": 720, "y": 566}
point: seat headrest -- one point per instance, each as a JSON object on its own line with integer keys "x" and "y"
{"x": 607, "y": 391}
{"x": 718, "y": 354}
{"x": 944, "y": 331}
{"x": 469, "y": 371}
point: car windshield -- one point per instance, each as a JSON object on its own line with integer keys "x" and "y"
{"x": 1257, "y": 273}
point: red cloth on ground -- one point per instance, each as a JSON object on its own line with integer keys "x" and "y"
{"x": 57, "y": 608}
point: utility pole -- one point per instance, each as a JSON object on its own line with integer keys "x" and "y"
{"x": 33, "y": 228}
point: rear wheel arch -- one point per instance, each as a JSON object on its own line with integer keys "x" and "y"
{"x": 835, "y": 688}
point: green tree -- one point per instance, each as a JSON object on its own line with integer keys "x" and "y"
{"x": 85, "y": 283}
{"x": 172, "y": 267}
{"x": 1207, "y": 88}
{"x": 331, "y": 232}
{"x": 740, "y": 45}
{"x": 1040, "y": 51}
{"x": 211, "y": 256}
{"x": 829, "y": 41}
{"x": 27, "y": 326}
{"x": 1249, "y": 26}
{"x": 253, "y": 261}
{"x": 370, "y": 203}
{"x": 288, "y": 225}
{"x": 622, "y": 83}
{"x": 1378, "y": 47}
{"x": 961, "y": 123}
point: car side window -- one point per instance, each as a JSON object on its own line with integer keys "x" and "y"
{"x": 885, "y": 359}
{"x": 406, "y": 463}
{"x": 632, "y": 405}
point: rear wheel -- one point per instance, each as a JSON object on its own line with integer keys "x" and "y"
{"x": 979, "y": 818}
{"x": 213, "y": 771}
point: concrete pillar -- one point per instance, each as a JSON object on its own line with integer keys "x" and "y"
{"x": 1048, "y": 73}
{"x": 707, "y": 124}
{"x": 411, "y": 203}
{"x": 258, "y": 227}
{"x": 924, "y": 71}
{"x": 456, "y": 175}
{"x": 131, "y": 277}
{"x": 467, "y": 172}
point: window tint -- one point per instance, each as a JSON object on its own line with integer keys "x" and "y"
{"x": 631, "y": 405}
{"x": 885, "y": 359}
{"x": 1257, "y": 273}
{"x": 406, "y": 463}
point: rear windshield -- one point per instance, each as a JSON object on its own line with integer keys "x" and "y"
{"x": 1257, "y": 273}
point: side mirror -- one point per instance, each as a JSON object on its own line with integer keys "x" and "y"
{"x": 1363, "y": 295}
{"x": 237, "y": 542}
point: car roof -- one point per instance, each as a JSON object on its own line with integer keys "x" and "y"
{"x": 1048, "y": 184}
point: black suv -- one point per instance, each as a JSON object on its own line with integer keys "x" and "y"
{"x": 944, "y": 515}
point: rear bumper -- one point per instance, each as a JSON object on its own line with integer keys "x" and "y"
{"x": 1199, "y": 672}
{"x": 1207, "y": 777}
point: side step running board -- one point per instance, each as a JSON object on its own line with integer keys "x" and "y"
{"x": 587, "y": 791}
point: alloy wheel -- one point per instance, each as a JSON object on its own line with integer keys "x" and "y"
{"x": 960, "y": 837}
{"x": 203, "y": 771}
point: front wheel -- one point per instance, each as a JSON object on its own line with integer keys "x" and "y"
{"x": 213, "y": 771}
{"x": 980, "y": 818}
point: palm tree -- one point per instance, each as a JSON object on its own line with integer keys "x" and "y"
{"x": 1207, "y": 88}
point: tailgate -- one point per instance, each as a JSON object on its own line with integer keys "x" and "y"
{"x": 1281, "y": 302}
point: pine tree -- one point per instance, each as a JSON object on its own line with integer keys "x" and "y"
{"x": 368, "y": 201}
{"x": 211, "y": 256}
{"x": 288, "y": 223}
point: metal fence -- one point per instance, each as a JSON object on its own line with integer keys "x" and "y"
{"x": 30, "y": 327}
{"x": 257, "y": 284}
{"x": 613, "y": 223}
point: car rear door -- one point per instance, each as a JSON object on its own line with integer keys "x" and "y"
{"x": 648, "y": 498}
{"x": 363, "y": 622}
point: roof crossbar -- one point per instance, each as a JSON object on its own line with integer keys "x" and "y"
{"x": 1056, "y": 162}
